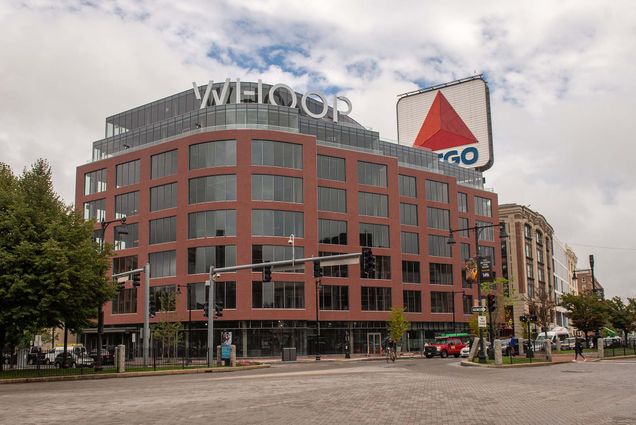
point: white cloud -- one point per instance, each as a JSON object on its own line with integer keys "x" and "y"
{"x": 559, "y": 73}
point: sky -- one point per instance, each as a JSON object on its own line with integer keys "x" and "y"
{"x": 562, "y": 97}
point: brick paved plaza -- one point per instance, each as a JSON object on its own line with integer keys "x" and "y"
{"x": 411, "y": 391}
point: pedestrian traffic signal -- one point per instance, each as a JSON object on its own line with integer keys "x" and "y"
{"x": 152, "y": 307}
{"x": 317, "y": 269}
{"x": 267, "y": 274}
{"x": 492, "y": 302}
{"x": 368, "y": 263}
{"x": 121, "y": 286}
{"x": 206, "y": 310}
{"x": 136, "y": 280}
{"x": 218, "y": 309}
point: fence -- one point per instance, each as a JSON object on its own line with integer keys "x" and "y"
{"x": 619, "y": 348}
{"x": 166, "y": 352}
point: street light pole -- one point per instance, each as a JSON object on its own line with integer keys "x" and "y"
{"x": 477, "y": 230}
{"x": 592, "y": 268}
{"x": 100, "y": 310}
{"x": 211, "y": 348}
{"x": 482, "y": 355}
{"x": 146, "y": 314}
{"x": 317, "y": 319}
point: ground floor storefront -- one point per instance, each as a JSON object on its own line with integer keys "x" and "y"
{"x": 258, "y": 338}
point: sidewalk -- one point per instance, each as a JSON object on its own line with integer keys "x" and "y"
{"x": 329, "y": 358}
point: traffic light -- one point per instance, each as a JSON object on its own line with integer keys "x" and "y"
{"x": 492, "y": 302}
{"x": 136, "y": 280}
{"x": 206, "y": 310}
{"x": 267, "y": 274}
{"x": 317, "y": 269}
{"x": 152, "y": 307}
{"x": 218, "y": 309}
{"x": 368, "y": 263}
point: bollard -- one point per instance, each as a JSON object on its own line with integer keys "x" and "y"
{"x": 120, "y": 358}
{"x": 601, "y": 348}
{"x": 558, "y": 344}
{"x": 498, "y": 358}
{"x": 233, "y": 356}
{"x": 522, "y": 347}
{"x": 473, "y": 350}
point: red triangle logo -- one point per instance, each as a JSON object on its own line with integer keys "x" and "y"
{"x": 443, "y": 128}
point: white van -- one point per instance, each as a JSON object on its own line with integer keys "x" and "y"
{"x": 77, "y": 349}
{"x": 552, "y": 336}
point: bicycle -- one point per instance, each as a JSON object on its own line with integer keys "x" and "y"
{"x": 390, "y": 354}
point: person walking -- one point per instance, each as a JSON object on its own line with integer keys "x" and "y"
{"x": 578, "y": 350}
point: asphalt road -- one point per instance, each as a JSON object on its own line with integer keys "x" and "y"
{"x": 411, "y": 391}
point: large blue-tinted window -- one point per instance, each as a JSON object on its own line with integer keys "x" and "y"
{"x": 212, "y": 188}
{"x": 277, "y": 154}
{"x": 213, "y": 154}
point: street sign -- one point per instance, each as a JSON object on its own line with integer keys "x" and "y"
{"x": 226, "y": 352}
{"x": 485, "y": 269}
{"x": 479, "y": 309}
{"x": 481, "y": 321}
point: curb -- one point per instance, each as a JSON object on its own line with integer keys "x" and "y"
{"x": 131, "y": 374}
{"x": 629, "y": 356}
{"x": 466, "y": 363}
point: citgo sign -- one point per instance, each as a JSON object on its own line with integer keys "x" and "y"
{"x": 452, "y": 119}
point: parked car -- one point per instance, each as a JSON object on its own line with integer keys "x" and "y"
{"x": 444, "y": 347}
{"x": 36, "y": 355}
{"x": 108, "y": 356}
{"x": 568, "y": 344}
{"x": 466, "y": 350}
{"x": 9, "y": 358}
{"x": 73, "y": 360}
{"x": 77, "y": 349}
{"x": 507, "y": 350}
{"x": 612, "y": 341}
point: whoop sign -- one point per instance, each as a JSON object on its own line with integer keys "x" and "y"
{"x": 451, "y": 119}
{"x": 221, "y": 96}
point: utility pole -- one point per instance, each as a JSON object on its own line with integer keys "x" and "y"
{"x": 146, "y": 314}
{"x": 211, "y": 348}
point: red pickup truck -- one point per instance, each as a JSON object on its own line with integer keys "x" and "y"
{"x": 444, "y": 347}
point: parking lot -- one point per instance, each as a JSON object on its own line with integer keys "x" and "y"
{"x": 413, "y": 391}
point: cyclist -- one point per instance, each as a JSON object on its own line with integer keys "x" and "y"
{"x": 389, "y": 346}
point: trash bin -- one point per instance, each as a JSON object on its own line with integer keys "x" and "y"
{"x": 289, "y": 354}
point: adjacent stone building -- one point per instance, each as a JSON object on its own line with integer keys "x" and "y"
{"x": 527, "y": 259}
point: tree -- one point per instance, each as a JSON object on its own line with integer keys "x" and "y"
{"x": 620, "y": 316}
{"x": 587, "y": 311}
{"x": 397, "y": 323}
{"x": 51, "y": 272}
{"x": 542, "y": 307}
{"x": 168, "y": 332}
{"x": 504, "y": 299}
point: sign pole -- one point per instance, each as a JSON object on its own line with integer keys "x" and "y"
{"x": 211, "y": 317}
{"x": 146, "y": 313}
